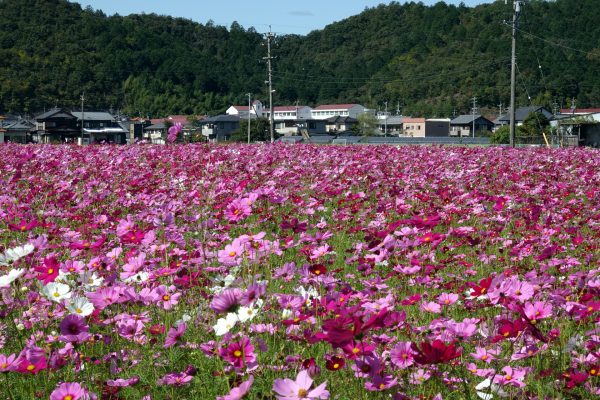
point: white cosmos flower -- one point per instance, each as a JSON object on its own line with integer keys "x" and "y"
{"x": 57, "y": 291}
{"x": 224, "y": 325}
{"x": 12, "y": 255}
{"x": 140, "y": 277}
{"x": 489, "y": 390}
{"x": 222, "y": 283}
{"x": 248, "y": 313}
{"x": 6, "y": 280}
{"x": 307, "y": 294}
{"x": 80, "y": 306}
{"x": 90, "y": 280}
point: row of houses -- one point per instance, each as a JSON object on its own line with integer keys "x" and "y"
{"x": 63, "y": 126}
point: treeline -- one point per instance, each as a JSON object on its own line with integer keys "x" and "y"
{"x": 431, "y": 60}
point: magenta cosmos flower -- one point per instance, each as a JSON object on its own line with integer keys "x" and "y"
{"x": 239, "y": 353}
{"x": 69, "y": 391}
{"x": 74, "y": 329}
{"x": 299, "y": 389}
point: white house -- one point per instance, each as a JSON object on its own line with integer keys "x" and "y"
{"x": 343, "y": 110}
{"x": 257, "y": 110}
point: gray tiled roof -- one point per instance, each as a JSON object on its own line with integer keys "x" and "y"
{"x": 93, "y": 116}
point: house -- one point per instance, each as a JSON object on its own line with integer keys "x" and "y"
{"x": 391, "y": 124}
{"x": 463, "y": 125}
{"x": 16, "y": 131}
{"x": 56, "y": 126}
{"x": 520, "y": 114}
{"x": 437, "y": 127}
{"x": 286, "y": 118}
{"x": 578, "y": 129}
{"x": 220, "y": 128}
{"x": 339, "y": 124}
{"x": 256, "y": 111}
{"x": 343, "y": 110}
{"x": 414, "y": 127}
{"x": 101, "y": 126}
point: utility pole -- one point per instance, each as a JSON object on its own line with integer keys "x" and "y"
{"x": 249, "y": 108}
{"x": 513, "y": 69}
{"x": 500, "y": 109}
{"x": 385, "y": 121}
{"x": 398, "y": 108}
{"x": 82, "y": 115}
{"x": 269, "y": 59}
{"x": 474, "y": 111}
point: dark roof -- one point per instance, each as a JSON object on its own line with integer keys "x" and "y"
{"x": 21, "y": 125}
{"x": 522, "y": 112}
{"x": 336, "y": 119}
{"x": 221, "y": 118}
{"x": 155, "y": 127}
{"x": 54, "y": 112}
{"x": 468, "y": 119}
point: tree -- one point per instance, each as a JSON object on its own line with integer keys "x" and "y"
{"x": 501, "y": 136}
{"x": 367, "y": 124}
{"x": 533, "y": 125}
{"x": 259, "y": 131}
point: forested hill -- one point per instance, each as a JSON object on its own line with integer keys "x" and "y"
{"x": 430, "y": 59}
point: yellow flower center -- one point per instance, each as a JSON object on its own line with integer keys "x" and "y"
{"x": 56, "y": 294}
{"x": 68, "y": 397}
{"x": 50, "y": 270}
{"x": 232, "y": 254}
{"x": 237, "y": 353}
{"x": 166, "y": 297}
{"x": 336, "y": 366}
{"x": 356, "y": 350}
{"x": 30, "y": 367}
{"x": 302, "y": 393}
{"x": 78, "y": 310}
{"x": 507, "y": 377}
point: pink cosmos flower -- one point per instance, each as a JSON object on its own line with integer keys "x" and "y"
{"x": 238, "y": 393}
{"x": 447, "y": 299}
{"x": 237, "y": 210}
{"x": 431, "y": 306}
{"x": 175, "y": 379}
{"x": 299, "y": 389}
{"x": 485, "y": 355}
{"x": 227, "y": 301}
{"x": 174, "y": 131}
{"x": 536, "y": 311}
{"x": 74, "y": 329}
{"x": 166, "y": 296}
{"x": 174, "y": 335}
{"x": 7, "y": 363}
{"x": 69, "y": 391}
{"x": 232, "y": 254}
{"x": 511, "y": 376}
{"x": 402, "y": 355}
{"x": 123, "y": 382}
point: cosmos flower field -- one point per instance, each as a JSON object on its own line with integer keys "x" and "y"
{"x": 299, "y": 272}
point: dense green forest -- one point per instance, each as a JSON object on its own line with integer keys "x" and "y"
{"x": 430, "y": 59}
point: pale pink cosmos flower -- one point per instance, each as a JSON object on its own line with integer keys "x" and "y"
{"x": 447, "y": 299}
{"x": 402, "y": 355}
{"x": 485, "y": 355}
{"x": 299, "y": 389}
{"x": 431, "y": 306}
{"x": 538, "y": 310}
{"x": 511, "y": 376}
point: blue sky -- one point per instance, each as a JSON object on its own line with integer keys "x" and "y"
{"x": 285, "y": 16}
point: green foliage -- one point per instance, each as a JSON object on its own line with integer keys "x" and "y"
{"x": 501, "y": 136}
{"x": 533, "y": 125}
{"x": 259, "y": 131}
{"x": 367, "y": 124}
{"x": 432, "y": 59}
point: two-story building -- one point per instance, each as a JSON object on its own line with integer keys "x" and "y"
{"x": 343, "y": 110}
{"x": 256, "y": 111}
{"x": 462, "y": 125}
{"x": 99, "y": 127}
{"x": 56, "y": 126}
